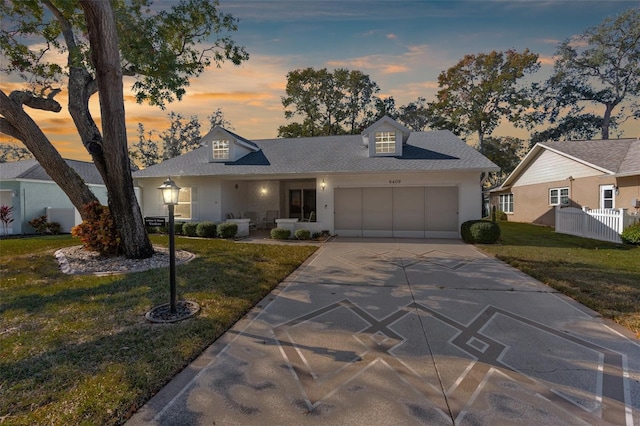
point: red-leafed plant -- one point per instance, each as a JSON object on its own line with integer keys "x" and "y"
{"x": 98, "y": 232}
{"x": 6, "y": 217}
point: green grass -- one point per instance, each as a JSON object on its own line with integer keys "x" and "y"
{"x": 77, "y": 349}
{"x": 603, "y": 276}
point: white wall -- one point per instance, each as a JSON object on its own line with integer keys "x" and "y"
{"x": 216, "y": 198}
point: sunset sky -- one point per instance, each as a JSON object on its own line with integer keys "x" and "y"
{"x": 401, "y": 45}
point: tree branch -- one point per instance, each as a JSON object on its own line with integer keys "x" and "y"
{"x": 29, "y": 99}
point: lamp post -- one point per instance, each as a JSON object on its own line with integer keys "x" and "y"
{"x": 170, "y": 192}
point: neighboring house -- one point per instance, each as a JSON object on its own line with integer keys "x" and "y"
{"x": 32, "y": 193}
{"x": 386, "y": 182}
{"x": 598, "y": 174}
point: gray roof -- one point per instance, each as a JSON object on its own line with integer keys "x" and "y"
{"x": 616, "y": 156}
{"x": 620, "y": 157}
{"x": 425, "y": 151}
{"x": 32, "y": 170}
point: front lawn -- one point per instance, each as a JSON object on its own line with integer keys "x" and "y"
{"x": 77, "y": 349}
{"x": 603, "y": 276}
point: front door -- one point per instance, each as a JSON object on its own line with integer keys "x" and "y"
{"x": 607, "y": 197}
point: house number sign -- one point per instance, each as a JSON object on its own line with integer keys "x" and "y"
{"x": 393, "y": 181}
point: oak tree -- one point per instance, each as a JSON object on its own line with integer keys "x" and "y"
{"x": 167, "y": 48}
{"x": 600, "y": 68}
{"x": 479, "y": 91}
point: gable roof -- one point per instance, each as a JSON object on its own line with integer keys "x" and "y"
{"x": 441, "y": 149}
{"x": 616, "y": 157}
{"x": 239, "y": 139}
{"x": 32, "y": 170}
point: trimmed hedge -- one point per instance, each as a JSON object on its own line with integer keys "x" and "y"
{"x": 206, "y": 230}
{"x": 227, "y": 230}
{"x": 302, "y": 234}
{"x": 280, "y": 234}
{"x": 189, "y": 229}
{"x": 480, "y": 231}
{"x": 631, "y": 235}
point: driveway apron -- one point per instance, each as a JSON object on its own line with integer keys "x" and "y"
{"x": 400, "y": 331}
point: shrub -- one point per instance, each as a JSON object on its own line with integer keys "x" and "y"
{"x": 480, "y": 231}
{"x": 41, "y": 225}
{"x": 189, "y": 229}
{"x": 302, "y": 234}
{"x": 631, "y": 235}
{"x": 206, "y": 230}
{"x": 280, "y": 234}
{"x": 98, "y": 232}
{"x": 6, "y": 217}
{"x": 53, "y": 227}
{"x": 178, "y": 228}
{"x": 227, "y": 230}
{"x": 500, "y": 215}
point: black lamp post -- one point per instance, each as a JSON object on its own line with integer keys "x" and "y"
{"x": 170, "y": 192}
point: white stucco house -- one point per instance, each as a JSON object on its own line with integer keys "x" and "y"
{"x": 25, "y": 186}
{"x": 386, "y": 182}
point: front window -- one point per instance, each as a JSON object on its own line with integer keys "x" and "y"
{"x": 506, "y": 203}
{"x": 385, "y": 142}
{"x": 220, "y": 149}
{"x": 184, "y": 208}
{"x": 559, "y": 197}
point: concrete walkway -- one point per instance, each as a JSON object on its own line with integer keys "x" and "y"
{"x": 398, "y": 332}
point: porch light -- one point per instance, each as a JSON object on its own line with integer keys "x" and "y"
{"x": 322, "y": 184}
{"x": 263, "y": 191}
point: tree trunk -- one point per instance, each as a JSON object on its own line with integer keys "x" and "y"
{"x": 19, "y": 124}
{"x": 111, "y": 155}
{"x": 606, "y": 120}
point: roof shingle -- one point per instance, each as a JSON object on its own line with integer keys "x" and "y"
{"x": 425, "y": 151}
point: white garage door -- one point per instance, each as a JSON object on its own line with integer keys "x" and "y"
{"x": 412, "y": 212}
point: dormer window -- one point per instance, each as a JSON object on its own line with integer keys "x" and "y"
{"x": 385, "y": 138}
{"x": 220, "y": 149}
{"x": 385, "y": 142}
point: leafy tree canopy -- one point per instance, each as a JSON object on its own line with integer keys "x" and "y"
{"x": 161, "y": 48}
{"x": 340, "y": 102}
{"x": 480, "y": 90}
{"x": 12, "y": 152}
{"x": 600, "y": 67}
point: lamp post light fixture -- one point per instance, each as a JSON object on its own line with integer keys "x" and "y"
{"x": 170, "y": 192}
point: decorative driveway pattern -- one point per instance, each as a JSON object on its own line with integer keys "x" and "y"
{"x": 390, "y": 331}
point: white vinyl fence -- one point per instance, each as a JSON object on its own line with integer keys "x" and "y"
{"x": 602, "y": 224}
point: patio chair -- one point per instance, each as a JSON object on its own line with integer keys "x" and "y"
{"x": 270, "y": 219}
{"x": 253, "y": 220}
{"x": 311, "y": 217}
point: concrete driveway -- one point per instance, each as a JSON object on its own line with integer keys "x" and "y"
{"x": 390, "y": 332}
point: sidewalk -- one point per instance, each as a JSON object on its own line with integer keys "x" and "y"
{"x": 388, "y": 331}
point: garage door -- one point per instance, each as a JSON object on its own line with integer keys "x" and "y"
{"x": 411, "y": 212}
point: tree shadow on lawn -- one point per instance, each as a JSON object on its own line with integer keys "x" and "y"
{"x": 106, "y": 323}
{"x": 530, "y": 235}
{"x": 598, "y": 288}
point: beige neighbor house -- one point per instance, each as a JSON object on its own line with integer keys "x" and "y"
{"x": 598, "y": 174}
{"x": 386, "y": 182}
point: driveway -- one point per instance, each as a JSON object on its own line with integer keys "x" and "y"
{"x": 391, "y": 331}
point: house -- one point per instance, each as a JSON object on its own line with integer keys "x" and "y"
{"x": 598, "y": 174}
{"x": 25, "y": 186}
{"x": 388, "y": 181}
